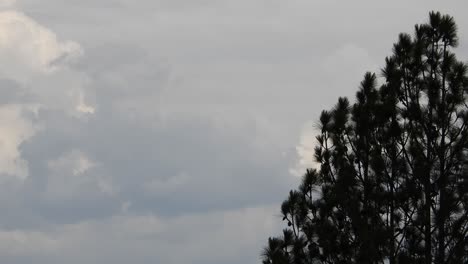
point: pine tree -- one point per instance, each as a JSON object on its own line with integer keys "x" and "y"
{"x": 392, "y": 185}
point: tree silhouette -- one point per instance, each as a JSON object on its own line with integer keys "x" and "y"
{"x": 392, "y": 185}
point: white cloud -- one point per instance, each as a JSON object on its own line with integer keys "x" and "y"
{"x": 7, "y": 3}
{"x": 349, "y": 62}
{"x": 39, "y": 61}
{"x": 74, "y": 162}
{"x": 35, "y": 59}
{"x": 14, "y": 130}
{"x": 31, "y": 48}
{"x": 305, "y": 151}
{"x": 71, "y": 175}
{"x": 82, "y": 107}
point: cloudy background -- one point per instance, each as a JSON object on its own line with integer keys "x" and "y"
{"x": 169, "y": 131}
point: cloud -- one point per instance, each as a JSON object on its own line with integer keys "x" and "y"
{"x": 15, "y": 129}
{"x": 155, "y": 165}
{"x": 40, "y": 63}
{"x": 18, "y": 243}
{"x": 36, "y": 77}
{"x": 167, "y": 186}
{"x": 31, "y": 48}
{"x": 231, "y": 236}
{"x": 305, "y": 151}
{"x": 75, "y": 162}
{"x": 345, "y": 68}
{"x": 70, "y": 176}
{"x": 154, "y": 126}
{"x": 7, "y": 3}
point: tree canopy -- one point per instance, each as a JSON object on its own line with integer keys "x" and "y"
{"x": 392, "y": 184}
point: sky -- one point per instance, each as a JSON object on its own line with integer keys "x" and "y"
{"x": 169, "y": 131}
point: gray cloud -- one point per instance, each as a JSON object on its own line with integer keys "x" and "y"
{"x": 168, "y": 125}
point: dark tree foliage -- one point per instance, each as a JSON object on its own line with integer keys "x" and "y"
{"x": 392, "y": 185}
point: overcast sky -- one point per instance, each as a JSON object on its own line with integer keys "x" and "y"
{"x": 169, "y": 131}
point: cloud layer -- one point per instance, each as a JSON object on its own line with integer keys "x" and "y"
{"x": 170, "y": 131}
